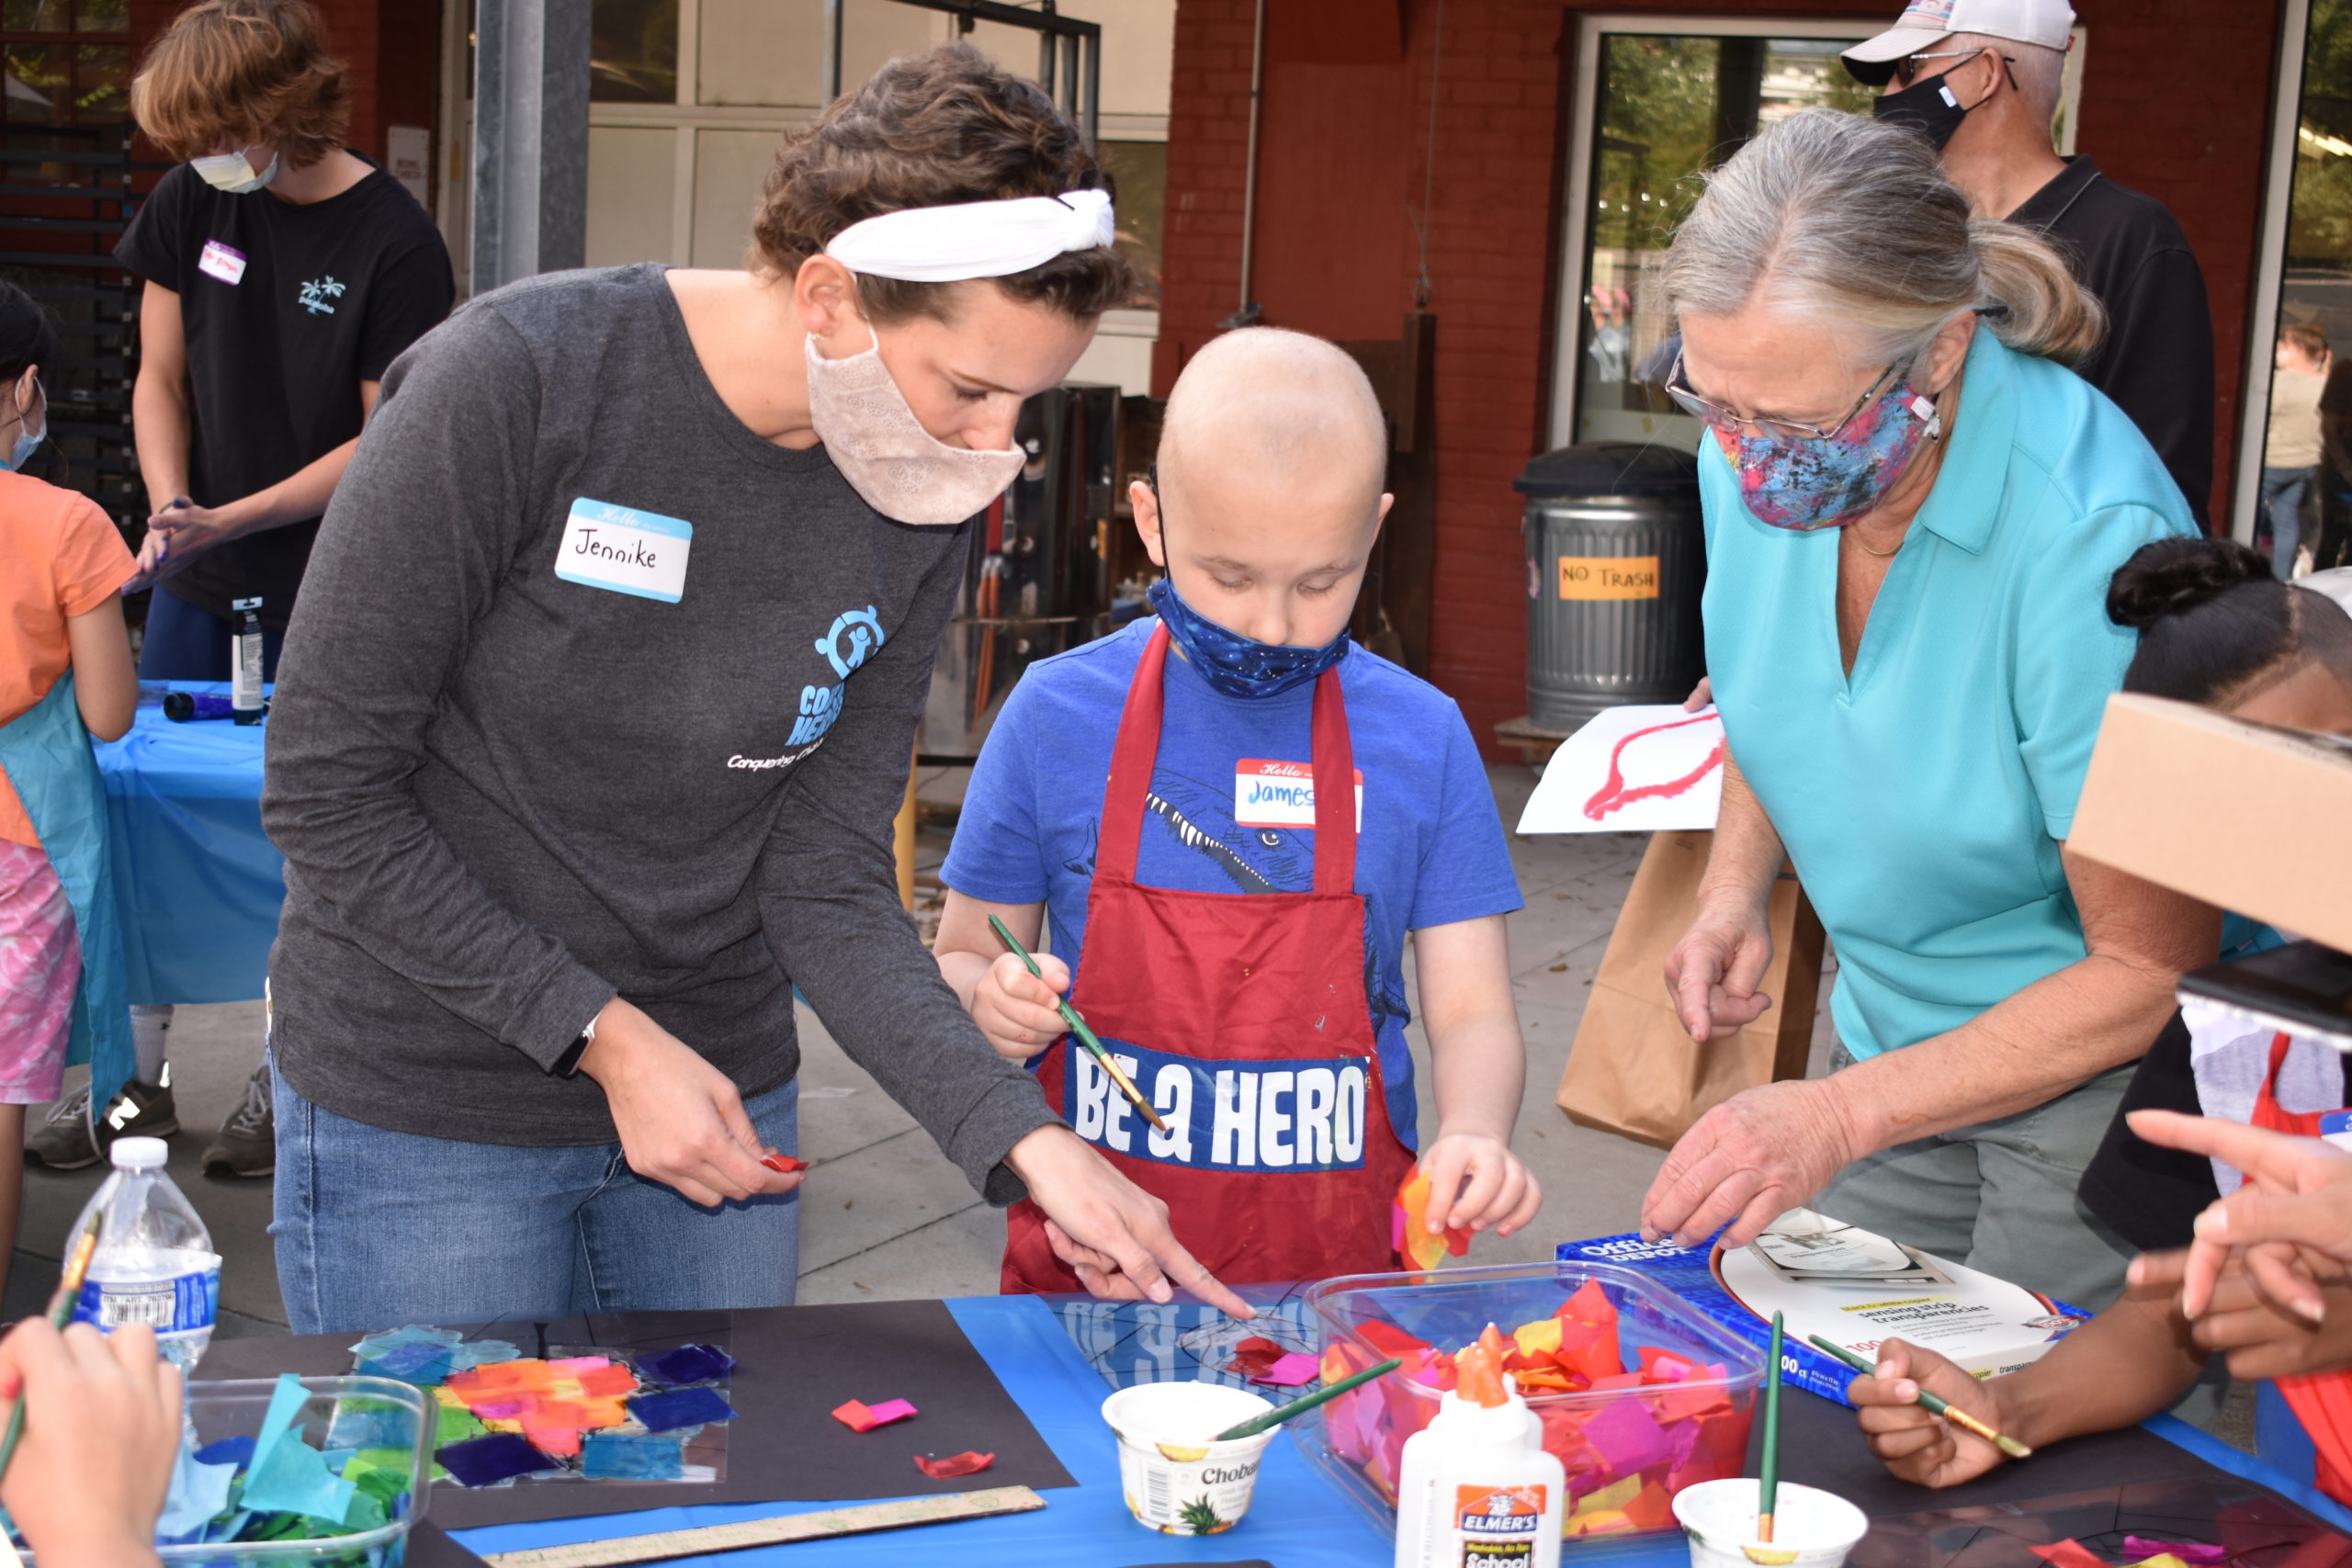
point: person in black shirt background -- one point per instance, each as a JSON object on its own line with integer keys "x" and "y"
{"x": 1987, "y": 100}
{"x": 283, "y": 275}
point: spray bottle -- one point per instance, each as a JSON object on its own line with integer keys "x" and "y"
{"x": 1477, "y": 1490}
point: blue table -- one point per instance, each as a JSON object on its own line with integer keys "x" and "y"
{"x": 197, "y": 880}
{"x": 1297, "y": 1519}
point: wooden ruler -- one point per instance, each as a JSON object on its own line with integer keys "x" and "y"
{"x": 860, "y": 1519}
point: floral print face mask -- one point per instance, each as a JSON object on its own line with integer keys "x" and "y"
{"x": 1805, "y": 482}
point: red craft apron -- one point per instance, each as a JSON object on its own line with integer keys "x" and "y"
{"x": 1242, "y": 1017}
{"x": 2321, "y": 1401}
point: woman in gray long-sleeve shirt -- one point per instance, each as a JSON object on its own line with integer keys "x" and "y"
{"x": 595, "y": 716}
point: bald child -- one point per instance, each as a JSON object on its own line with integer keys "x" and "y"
{"x": 1225, "y": 822}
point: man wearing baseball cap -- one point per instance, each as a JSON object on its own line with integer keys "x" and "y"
{"x": 1981, "y": 79}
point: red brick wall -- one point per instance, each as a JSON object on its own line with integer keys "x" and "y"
{"x": 1332, "y": 261}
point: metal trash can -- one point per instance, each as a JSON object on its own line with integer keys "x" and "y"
{"x": 1616, "y": 558}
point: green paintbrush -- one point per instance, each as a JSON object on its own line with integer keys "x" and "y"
{"x": 1282, "y": 1413}
{"x": 1934, "y": 1406}
{"x": 60, "y": 1312}
{"x": 1768, "y": 1485}
{"x": 1085, "y": 1035}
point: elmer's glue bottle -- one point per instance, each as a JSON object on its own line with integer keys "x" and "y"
{"x": 1476, "y": 1488}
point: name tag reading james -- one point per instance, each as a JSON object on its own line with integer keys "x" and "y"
{"x": 625, "y": 550}
{"x": 1279, "y": 795}
{"x": 224, "y": 261}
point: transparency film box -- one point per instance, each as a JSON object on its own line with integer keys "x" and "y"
{"x": 1986, "y": 1325}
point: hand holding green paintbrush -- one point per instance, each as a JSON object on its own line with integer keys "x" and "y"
{"x": 1084, "y": 1035}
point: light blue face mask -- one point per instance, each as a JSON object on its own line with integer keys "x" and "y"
{"x": 29, "y": 440}
{"x": 232, "y": 172}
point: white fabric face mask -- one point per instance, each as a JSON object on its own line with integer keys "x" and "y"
{"x": 231, "y": 173}
{"x": 898, "y": 468}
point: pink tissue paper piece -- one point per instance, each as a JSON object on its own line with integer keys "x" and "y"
{"x": 1291, "y": 1371}
{"x": 1625, "y": 1435}
{"x": 2137, "y": 1547}
{"x": 580, "y": 1363}
{"x": 890, "y": 1410}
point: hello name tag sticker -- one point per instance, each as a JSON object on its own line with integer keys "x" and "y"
{"x": 224, "y": 261}
{"x": 625, "y": 550}
{"x": 1279, "y": 795}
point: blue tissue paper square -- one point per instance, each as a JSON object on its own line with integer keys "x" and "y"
{"x": 686, "y": 1364}
{"x": 682, "y": 1407}
{"x": 633, "y": 1456}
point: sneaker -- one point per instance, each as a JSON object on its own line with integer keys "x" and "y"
{"x": 69, "y": 1140}
{"x": 248, "y": 1143}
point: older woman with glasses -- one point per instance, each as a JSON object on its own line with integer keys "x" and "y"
{"x": 1913, "y": 509}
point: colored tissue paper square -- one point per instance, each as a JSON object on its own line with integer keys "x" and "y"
{"x": 785, "y": 1163}
{"x": 362, "y": 1422}
{"x": 891, "y": 1410}
{"x": 2068, "y": 1553}
{"x": 2139, "y": 1549}
{"x": 1625, "y": 1434}
{"x": 481, "y": 1352}
{"x": 199, "y": 1491}
{"x": 687, "y": 1363}
{"x": 633, "y": 1456}
{"x": 286, "y": 1474}
{"x": 424, "y": 1365}
{"x": 966, "y": 1463}
{"x": 1253, "y": 1355}
{"x": 1408, "y": 1226}
{"x": 692, "y": 1407}
{"x": 487, "y": 1460}
{"x": 573, "y": 1366}
{"x": 605, "y": 1383}
{"x": 856, "y": 1415}
{"x": 1291, "y": 1371}
{"x": 237, "y": 1451}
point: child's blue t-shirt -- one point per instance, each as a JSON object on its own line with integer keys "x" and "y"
{"x": 1430, "y": 849}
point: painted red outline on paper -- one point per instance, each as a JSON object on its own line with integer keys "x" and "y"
{"x": 1613, "y": 795}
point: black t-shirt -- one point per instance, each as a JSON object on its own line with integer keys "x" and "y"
{"x": 2156, "y": 361}
{"x": 287, "y": 307}
{"x": 2152, "y": 1195}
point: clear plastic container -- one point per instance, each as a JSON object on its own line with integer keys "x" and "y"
{"x": 154, "y": 1262}
{"x": 236, "y": 1408}
{"x": 1358, "y": 1438}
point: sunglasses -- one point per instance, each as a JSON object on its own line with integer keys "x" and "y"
{"x": 1725, "y": 422}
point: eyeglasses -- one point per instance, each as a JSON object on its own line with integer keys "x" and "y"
{"x": 1723, "y": 421}
{"x": 1907, "y": 68}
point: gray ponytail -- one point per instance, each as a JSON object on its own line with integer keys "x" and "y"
{"x": 1852, "y": 220}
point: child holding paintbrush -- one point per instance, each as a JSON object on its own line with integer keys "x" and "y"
{"x": 103, "y": 1424}
{"x": 1230, "y": 911}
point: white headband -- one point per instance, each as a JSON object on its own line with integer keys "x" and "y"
{"x": 974, "y": 238}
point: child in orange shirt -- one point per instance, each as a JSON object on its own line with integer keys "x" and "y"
{"x": 65, "y": 674}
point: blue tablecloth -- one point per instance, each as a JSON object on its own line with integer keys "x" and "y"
{"x": 1297, "y": 1519}
{"x": 197, "y": 882}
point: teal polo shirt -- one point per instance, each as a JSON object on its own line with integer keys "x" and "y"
{"x": 1923, "y": 799}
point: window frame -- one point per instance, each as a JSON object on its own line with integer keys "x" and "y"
{"x": 2270, "y": 268}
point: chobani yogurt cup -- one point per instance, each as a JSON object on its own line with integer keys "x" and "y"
{"x": 1176, "y": 1479}
{"x": 1811, "y": 1529}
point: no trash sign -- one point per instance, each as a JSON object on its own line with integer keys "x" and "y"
{"x": 1608, "y": 577}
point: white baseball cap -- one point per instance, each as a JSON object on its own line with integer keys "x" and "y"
{"x": 1927, "y": 23}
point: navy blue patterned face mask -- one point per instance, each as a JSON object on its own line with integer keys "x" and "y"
{"x": 1237, "y": 665}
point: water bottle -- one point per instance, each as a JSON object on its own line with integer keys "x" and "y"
{"x": 154, "y": 1262}
{"x": 245, "y": 702}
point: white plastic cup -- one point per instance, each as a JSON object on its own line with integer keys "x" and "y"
{"x": 1811, "y": 1529}
{"x": 1176, "y": 1480}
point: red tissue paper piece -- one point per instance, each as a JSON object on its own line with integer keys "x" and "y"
{"x": 2069, "y": 1553}
{"x": 784, "y": 1163}
{"x": 967, "y": 1463}
{"x": 2136, "y": 1548}
{"x": 1253, "y": 1355}
{"x": 859, "y": 1417}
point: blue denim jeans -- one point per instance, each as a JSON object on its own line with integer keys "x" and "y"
{"x": 376, "y": 1229}
{"x": 2282, "y": 498}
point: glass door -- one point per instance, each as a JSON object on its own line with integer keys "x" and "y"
{"x": 1655, "y": 111}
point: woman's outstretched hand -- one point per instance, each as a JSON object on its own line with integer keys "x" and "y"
{"x": 1114, "y": 1236}
{"x": 681, "y": 1121}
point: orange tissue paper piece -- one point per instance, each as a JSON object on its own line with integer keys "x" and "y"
{"x": 1409, "y": 1226}
{"x": 855, "y": 1417}
{"x": 966, "y": 1463}
{"x": 2068, "y": 1553}
{"x": 605, "y": 1382}
{"x": 557, "y": 1442}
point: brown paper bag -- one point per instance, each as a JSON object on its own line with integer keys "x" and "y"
{"x": 1632, "y": 1070}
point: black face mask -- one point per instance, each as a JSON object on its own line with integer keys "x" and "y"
{"x": 1928, "y": 105}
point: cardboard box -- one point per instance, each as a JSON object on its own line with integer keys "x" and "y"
{"x": 2251, "y": 818}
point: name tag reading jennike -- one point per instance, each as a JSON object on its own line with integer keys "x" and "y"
{"x": 1269, "y": 793}
{"x": 625, "y": 550}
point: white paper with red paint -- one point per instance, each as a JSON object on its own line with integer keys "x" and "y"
{"x": 1644, "y": 769}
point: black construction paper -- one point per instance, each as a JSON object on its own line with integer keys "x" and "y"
{"x": 430, "y": 1547}
{"x": 2255, "y": 1526}
{"x": 794, "y": 1365}
{"x": 1821, "y": 1446}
